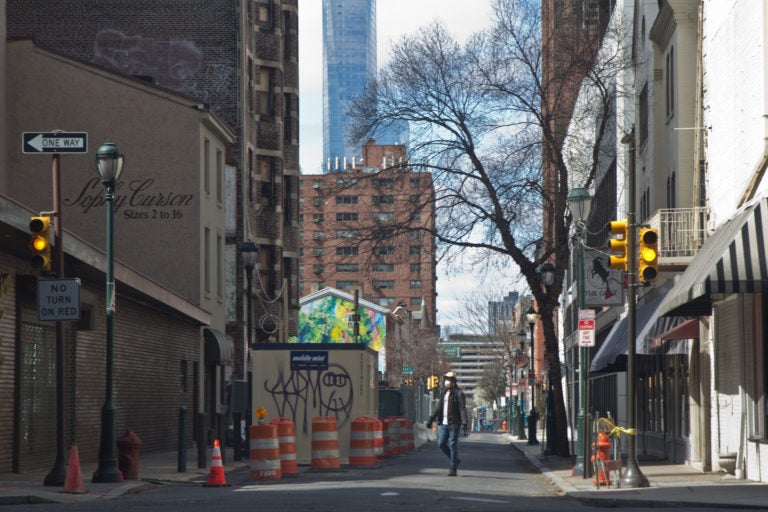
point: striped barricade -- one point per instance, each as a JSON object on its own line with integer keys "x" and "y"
{"x": 362, "y": 443}
{"x": 286, "y": 437}
{"x": 264, "y": 456}
{"x": 325, "y": 443}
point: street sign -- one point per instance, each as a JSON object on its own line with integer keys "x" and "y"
{"x": 407, "y": 369}
{"x": 58, "y": 300}
{"x": 586, "y": 328}
{"x": 54, "y": 142}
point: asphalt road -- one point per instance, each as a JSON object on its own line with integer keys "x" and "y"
{"x": 493, "y": 476}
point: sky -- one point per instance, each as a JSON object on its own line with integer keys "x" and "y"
{"x": 395, "y": 18}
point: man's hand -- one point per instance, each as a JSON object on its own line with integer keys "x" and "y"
{"x": 466, "y": 430}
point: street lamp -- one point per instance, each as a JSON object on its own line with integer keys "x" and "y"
{"x": 249, "y": 252}
{"x": 521, "y": 395}
{"x": 579, "y": 203}
{"x": 109, "y": 164}
{"x": 547, "y": 272}
{"x": 532, "y": 316}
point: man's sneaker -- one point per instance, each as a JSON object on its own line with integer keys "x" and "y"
{"x": 452, "y": 472}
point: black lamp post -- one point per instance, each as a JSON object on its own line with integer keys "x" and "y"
{"x": 579, "y": 203}
{"x": 249, "y": 252}
{"x": 532, "y": 316}
{"x": 109, "y": 164}
{"x": 521, "y": 393}
{"x": 547, "y": 272}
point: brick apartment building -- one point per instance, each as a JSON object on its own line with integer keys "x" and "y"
{"x": 370, "y": 228}
{"x": 239, "y": 59}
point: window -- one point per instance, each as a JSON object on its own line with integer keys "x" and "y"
{"x": 415, "y": 267}
{"x": 207, "y": 259}
{"x": 346, "y": 182}
{"x": 643, "y": 117}
{"x": 383, "y": 199}
{"x": 346, "y": 251}
{"x": 670, "y": 89}
{"x": 318, "y": 235}
{"x": 383, "y": 216}
{"x": 207, "y": 166}
{"x": 347, "y": 233}
{"x": 219, "y": 177}
{"x": 415, "y": 283}
{"x": 287, "y": 117}
{"x": 250, "y": 175}
{"x": 346, "y": 199}
{"x": 347, "y": 267}
{"x": 414, "y": 235}
{"x": 416, "y": 302}
{"x": 384, "y": 301}
{"x": 384, "y": 250}
{"x": 414, "y": 198}
{"x": 317, "y": 217}
{"x": 346, "y": 285}
{"x": 384, "y": 182}
{"x": 346, "y": 217}
{"x": 318, "y": 251}
{"x": 414, "y": 250}
{"x": 383, "y": 284}
{"x": 318, "y": 184}
{"x": 264, "y": 14}
{"x": 265, "y": 91}
{"x": 317, "y": 201}
{"x": 219, "y": 267}
{"x": 383, "y": 267}
{"x": 415, "y": 182}
{"x": 672, "y": 191}
{"x": 416, "y": 217}
{"x": 318, "y": 269}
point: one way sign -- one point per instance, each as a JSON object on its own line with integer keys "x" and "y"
{"x": 54, "y": 142}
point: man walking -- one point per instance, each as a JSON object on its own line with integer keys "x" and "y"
{"x": 450, "y": 415}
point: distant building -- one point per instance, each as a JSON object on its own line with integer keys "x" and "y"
{"x": 469, "y": 356}
{"x": 349, "y": 63}
{"x": 346, "y": 241}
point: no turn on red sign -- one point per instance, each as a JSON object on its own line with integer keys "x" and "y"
{"x": 586, "y": 328}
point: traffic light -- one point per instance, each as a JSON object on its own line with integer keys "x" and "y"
{"x": 432, "y": 382}
{"x": 649, "y": 255}
{"x": 40, "y": 243}
{"x": 619, "y": 245}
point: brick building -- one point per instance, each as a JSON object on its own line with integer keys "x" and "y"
{"x": 239, "y": 59}
{"x": 370, "y": 228}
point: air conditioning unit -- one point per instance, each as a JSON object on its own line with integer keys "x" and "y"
{"x": 315, "y": 185}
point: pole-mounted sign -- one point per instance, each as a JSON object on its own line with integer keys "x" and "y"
{"x": 54, "y": 142}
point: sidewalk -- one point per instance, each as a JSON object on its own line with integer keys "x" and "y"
{"x": 676, "y": 485}
{"x": 154, "y": 469}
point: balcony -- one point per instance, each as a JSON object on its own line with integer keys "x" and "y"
{"x": 682, "y": 231}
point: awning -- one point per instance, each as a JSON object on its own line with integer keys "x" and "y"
{"x": 684, "y": 331}
{"x": 218, "y": 349}
{"x": 648, "y": 325}
{"x": 732, "y": 260}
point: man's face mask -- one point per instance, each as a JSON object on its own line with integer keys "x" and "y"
{"x": 447, "y": 383}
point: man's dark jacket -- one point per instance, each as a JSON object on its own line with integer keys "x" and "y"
{"x": 457, "y": 409}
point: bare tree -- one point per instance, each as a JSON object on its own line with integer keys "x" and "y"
{"x": 482, "y": 121}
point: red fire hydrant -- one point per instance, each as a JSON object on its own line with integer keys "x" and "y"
{"x": 602, "y": 452}
{"x": 128, "y": 454}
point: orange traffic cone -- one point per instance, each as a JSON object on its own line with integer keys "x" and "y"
{"x": 74, "y": 481}
{"x": 216, "y": 476}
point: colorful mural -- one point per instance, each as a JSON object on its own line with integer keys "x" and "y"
{"x": 328, "y": 319}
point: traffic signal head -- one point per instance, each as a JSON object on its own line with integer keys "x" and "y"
{"x": 649, "y": 255}
{"x": 619, "y": 244}
{"x": 433, "y": 382}
{"x": 40, "y": 243}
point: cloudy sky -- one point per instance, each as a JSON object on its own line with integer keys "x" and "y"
{"x": 394, "y": 19}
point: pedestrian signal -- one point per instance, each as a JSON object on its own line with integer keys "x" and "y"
{"x": 619, "y": 244}
{"x": 40, "y": 243}
{"x": 649, "y": 255}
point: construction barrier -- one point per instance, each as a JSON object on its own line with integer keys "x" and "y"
{"x": 286, "y": 436}
{"x": 264, "y": 455}
{"x": 394, "y": 435}
{"x": 216, "y": 476}
{"x": 325, "y": 443}
{"x": 410, "y": 444}
{"x": 74, "y": 479}
{"x": 403, "y": 430}
{"x": 378, "y": 437}
{"x": 362, "y": 443}
{"x": 386, "y": 425}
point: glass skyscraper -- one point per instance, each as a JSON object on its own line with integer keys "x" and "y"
{"x": 349, "y": 62}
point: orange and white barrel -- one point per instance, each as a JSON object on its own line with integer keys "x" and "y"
{"x": 286, "y": 437}
{"x": 410, "y": 442}
{"x": 325, "y": 443}
{"x": 378, "y": 437}
{"x": 386, "y": 425}
{"x": 362, "y": 450}
{"x": 394, "y": 435}
{"x": 403, "y": 437}
{"x": 264, "y": 456}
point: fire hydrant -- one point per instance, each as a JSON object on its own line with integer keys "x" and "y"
{"x": 602, "y": 452}
{"x": 128, "y": 455}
